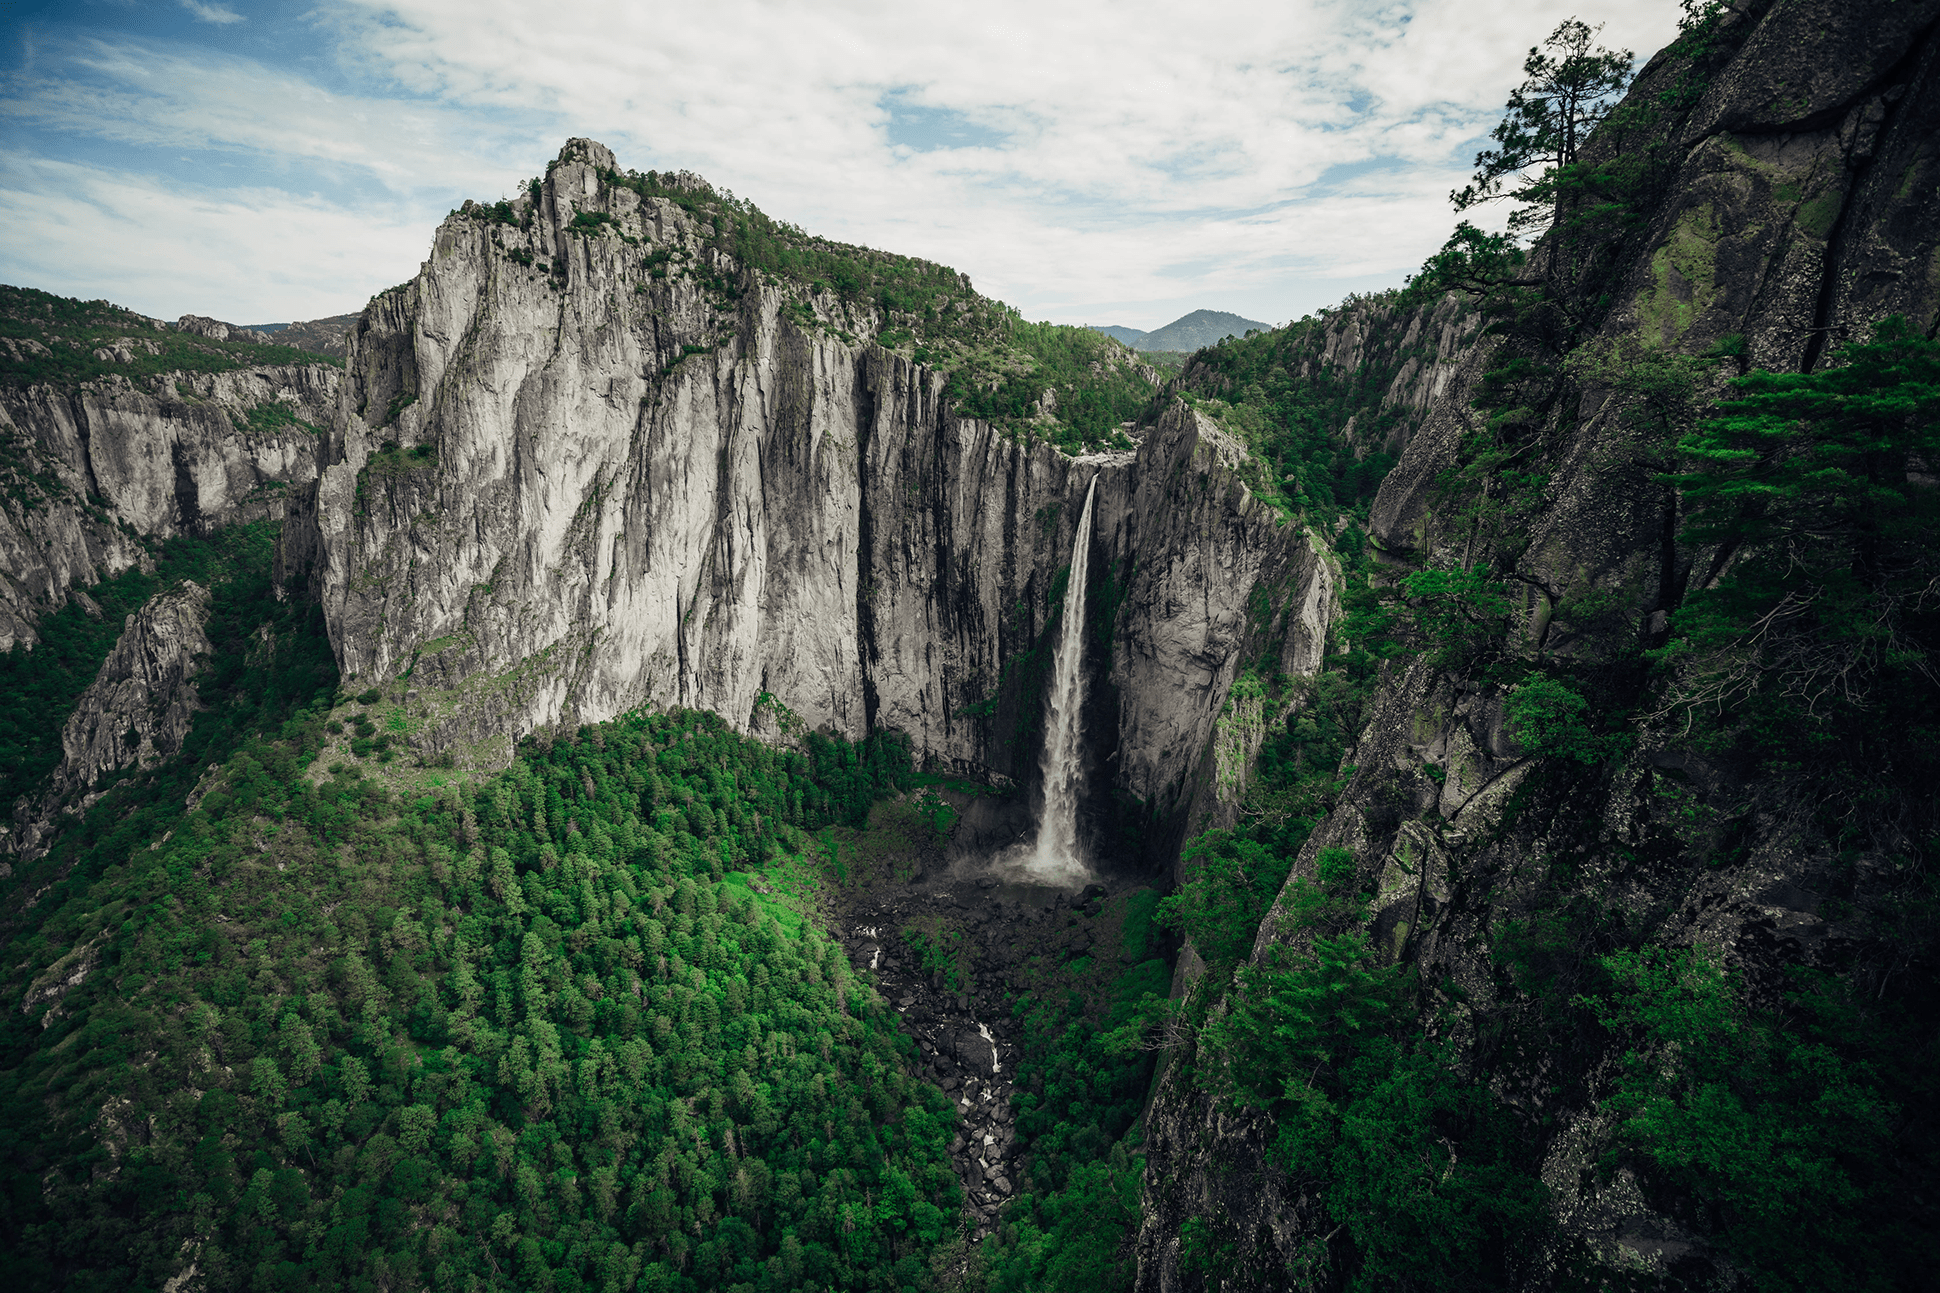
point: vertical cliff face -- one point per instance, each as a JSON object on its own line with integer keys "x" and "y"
{"x": 95, "y": 467}
{"x": 136, "y": 711}
{"x": 1798, "y": 208}
{"x": 587, "y": 461}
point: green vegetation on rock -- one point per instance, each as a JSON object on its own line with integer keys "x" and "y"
{"x": 60, "y": 341}
{"x": 48, "y": 678}
{"x": 1067, "y": 385}
{"x": 1320, "y": 427}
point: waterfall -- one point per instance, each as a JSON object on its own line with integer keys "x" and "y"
{"x": 1055, "y": 855}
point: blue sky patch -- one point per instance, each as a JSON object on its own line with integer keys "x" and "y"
{"x": 928, "y": 130}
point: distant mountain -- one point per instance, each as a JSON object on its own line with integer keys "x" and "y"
{"x": 1200, "y": 328}
{"x": 319, "y": 336}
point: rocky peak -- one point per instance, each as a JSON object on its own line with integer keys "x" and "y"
{"x": 596, "y": 155}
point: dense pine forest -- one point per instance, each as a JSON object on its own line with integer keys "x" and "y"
{"x": 545, "y": 1014}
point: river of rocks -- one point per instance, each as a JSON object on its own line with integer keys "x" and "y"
{"x": 968, "y": 1039}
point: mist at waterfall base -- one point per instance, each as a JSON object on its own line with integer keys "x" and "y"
{"x": 1054, "y": 857}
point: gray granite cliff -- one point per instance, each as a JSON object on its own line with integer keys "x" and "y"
{"x": 565, "y": 481}
{"x": 95, "y": 468}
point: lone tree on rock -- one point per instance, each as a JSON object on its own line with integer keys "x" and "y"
{"x": 1569, "y": 92}
{"x": 1572, "y": 85}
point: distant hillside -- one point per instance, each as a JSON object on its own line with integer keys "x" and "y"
{"x": 319, "y": 336}
{"x": 1200, "y": 328}
{"x": 48, "y": 339}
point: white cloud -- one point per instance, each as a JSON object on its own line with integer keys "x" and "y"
{"x": 1128, "y": 156}
{"x": 212, "y": 13}
{"x": 1132, "y": 139}
{"x": 155, "y": 95}
{"x": 246, "y": 255}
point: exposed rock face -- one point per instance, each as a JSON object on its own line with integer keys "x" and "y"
{"x": 216, "y": 330}
{"x": 62, "y": 977}
{"x": 1802, "y": 210}
{"x": 1796, "y": 220}
{"x": 137, "y": 709}
{"x": 179, "y": 454}
{"x": 328, "y": 336}
{"x": 1394, "y": 359}
{"x": 560, "y": 487}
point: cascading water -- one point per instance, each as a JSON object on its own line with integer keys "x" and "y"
{"x": 1054, "y": 857}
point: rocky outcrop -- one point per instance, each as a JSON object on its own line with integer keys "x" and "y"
{"x": 93, "y": 469}
{"x": 327, "y": 336}
{"x": 51, "y": 986}
{"x": 564, "y": 481}
{"x": 1798, "y": 209}
{"x": 201, "y": 325}
{"x": 137, "y": 710}
{"x": 1793, "y": 221}
{"x": 1376, "y": 366}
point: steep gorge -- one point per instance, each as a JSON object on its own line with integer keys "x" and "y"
{"x": 596, "y": 459}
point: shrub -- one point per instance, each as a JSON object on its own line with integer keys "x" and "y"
{"x": 1548, "y": 716}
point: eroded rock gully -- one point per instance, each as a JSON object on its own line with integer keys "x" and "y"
{"x": 1004, "y": 938}
{"x": 968, "y": 1040}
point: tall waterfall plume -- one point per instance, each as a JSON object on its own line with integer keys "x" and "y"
{"x": 1055, "y": 856}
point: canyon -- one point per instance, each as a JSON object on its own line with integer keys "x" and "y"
{"x": 552, "y": 498}
{"x": 620, "y": 448}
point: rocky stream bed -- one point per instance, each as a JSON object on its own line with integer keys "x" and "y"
{"x": 1004, "y": 935}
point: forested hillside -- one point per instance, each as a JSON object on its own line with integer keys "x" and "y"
{"x": 1327, "y": 403}
{"x": 534, "y": 1030}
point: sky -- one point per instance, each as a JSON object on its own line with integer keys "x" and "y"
{"x": 1088, "y": 162}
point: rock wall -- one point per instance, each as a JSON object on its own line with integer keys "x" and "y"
{"x": 136, "y": 711}
{"x": 1383, "y": 362}
{"x": 95, "y": 468}
{"x": 1801, "y": 207}
{"x": 564, "y": 482}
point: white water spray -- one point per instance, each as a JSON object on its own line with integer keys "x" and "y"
{"x": 1055, "y": 857}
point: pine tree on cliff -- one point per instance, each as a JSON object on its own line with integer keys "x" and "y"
{"x": 1569, "y": 92}
{"x": 1571, "y": 86}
